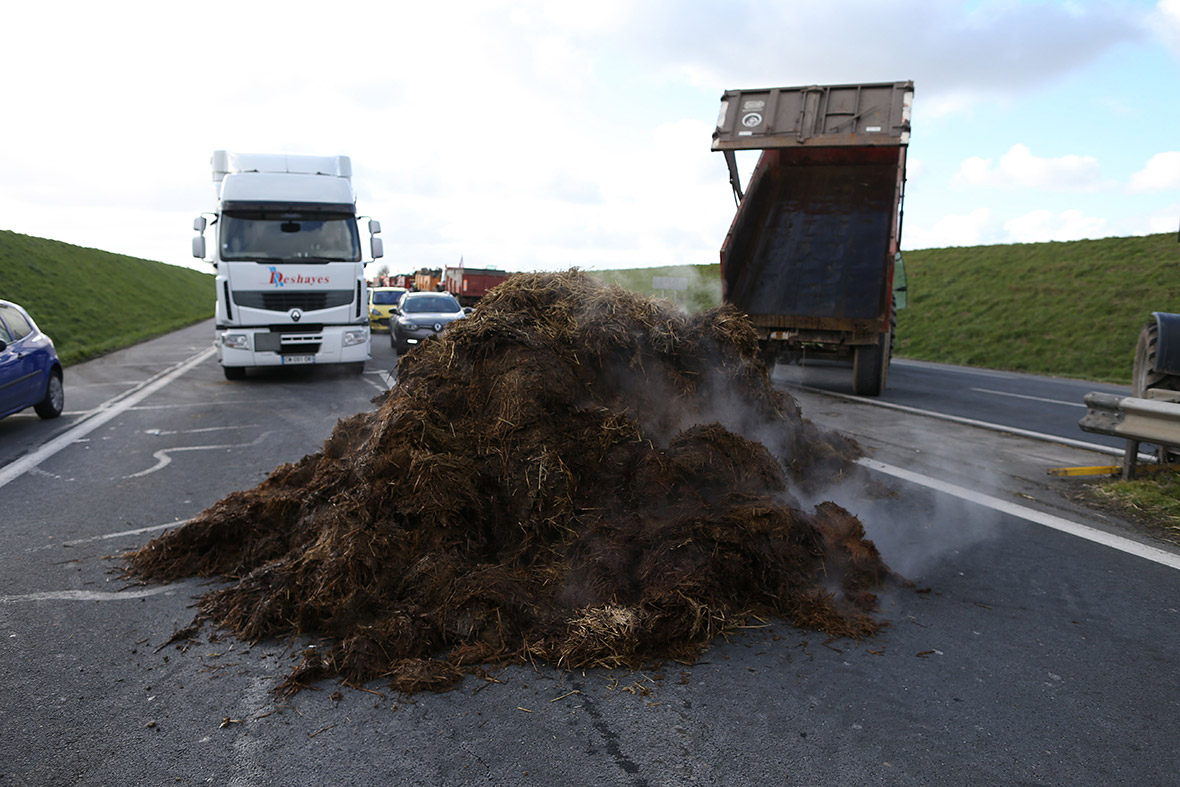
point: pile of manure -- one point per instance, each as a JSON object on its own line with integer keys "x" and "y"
{"x": 575, "y": 475}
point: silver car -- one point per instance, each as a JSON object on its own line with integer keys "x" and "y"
{"x": 419, "y": 315}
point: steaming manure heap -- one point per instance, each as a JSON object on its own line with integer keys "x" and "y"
{"x": 575, "y": 474}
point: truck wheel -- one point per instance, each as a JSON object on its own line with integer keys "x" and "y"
{"x": 1144, "y": 376}
{"x": 55, "y": 398}
{"x": 870, "y": 362}
{"x": 234, "y": 372}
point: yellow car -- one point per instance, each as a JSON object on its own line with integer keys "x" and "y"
{"x": 381, "y": 303}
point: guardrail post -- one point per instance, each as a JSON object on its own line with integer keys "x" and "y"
{"x": 1130, "y": 459}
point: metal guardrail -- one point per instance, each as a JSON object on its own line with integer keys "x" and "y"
{"x": 1155, "y": 420}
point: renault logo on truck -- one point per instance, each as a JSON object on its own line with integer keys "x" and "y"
{"x": 295, "y": 315}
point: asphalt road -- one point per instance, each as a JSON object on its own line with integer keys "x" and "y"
{"x": 1035, "y": 656}
{"x": 1046, "y": 405}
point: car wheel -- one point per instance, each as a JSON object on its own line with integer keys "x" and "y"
{"x": 399, "y": 346}
{"x": 55, "y": 398}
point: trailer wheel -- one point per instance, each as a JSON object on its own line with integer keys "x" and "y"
{"x": 1144, "y": 376}
{"x": 870, "y": 365}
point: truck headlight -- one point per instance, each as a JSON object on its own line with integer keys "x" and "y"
{"x": 356, "y": 337}
{"x": 236, "y": 341}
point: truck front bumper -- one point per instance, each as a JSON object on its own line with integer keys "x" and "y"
{"x": 263, "y": 347}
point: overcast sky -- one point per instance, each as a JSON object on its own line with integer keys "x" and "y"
{"x": 534, "y": 135}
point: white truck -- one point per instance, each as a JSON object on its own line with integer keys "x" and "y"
{"x": 290, "y": 276}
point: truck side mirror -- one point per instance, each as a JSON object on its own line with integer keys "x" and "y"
{"x": 199, "y": 224}
{"x": 374, "y": 227}
{"x": 199, "y": 246}
{"x": 376, "y": 246}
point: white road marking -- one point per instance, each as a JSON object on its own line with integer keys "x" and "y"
{"x": 158, "y": 432}
{"x": 164, "y": 458}
{"x": 138, "y": 531}
{"x": 249, "y": 745}
{"x": 1030, "y": 398}
{"x": 1012, "y": 430}
{"x": 1145, "y": 551}
{"x": 88, "y": 595}
{"x": 101, "y": 415}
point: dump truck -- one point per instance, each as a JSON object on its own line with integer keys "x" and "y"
{"x": 290, "y": 282}
{"x": 812, "y": 254}
{"x": 468, "y": 285}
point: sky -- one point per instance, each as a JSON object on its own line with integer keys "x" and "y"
{"x": 538, "y": 135}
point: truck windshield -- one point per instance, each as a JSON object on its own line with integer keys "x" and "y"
{"x": 301, "y": 237}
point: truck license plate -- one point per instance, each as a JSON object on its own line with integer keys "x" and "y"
{"x": 288, "y": 359}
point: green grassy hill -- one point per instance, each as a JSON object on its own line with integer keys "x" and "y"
{"x": 1067, "y": 309}
{"x": 1070, "y": 309}
{"x": 92, "y": 302}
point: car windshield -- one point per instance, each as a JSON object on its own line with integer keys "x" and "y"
{"x": 302, "y": 237}
{"x": 430, "y": 303}
{"x": 385, "y": 297}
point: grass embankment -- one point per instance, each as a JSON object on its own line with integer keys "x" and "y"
{"x": 1070, "y": 309}
{"x": 91, "y": 302}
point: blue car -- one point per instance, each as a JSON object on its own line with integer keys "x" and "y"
{"x": 30, "y": 373}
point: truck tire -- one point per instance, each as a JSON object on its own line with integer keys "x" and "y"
{"x": 1144, "y": 376}
{"x": 234, "y": 372}
{"x": 870, "y": 362}
{"x": 870, "y": 367}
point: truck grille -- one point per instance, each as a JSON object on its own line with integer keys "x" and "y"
{"x": 274, "y": 301}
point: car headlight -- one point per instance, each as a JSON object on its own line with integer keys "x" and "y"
{"x": 409, "y": 326}
{"x": 236, "y": 341}
{"x": 375, "y": 312}
{"x": 355, "y": 337}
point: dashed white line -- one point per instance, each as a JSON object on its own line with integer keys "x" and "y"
{"x": 1030, "y": 398}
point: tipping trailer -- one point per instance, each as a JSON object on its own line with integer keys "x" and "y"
{"x": 290, "y": 279}
{"x": 812, "y": 255}
{"x": 468, "y": 285}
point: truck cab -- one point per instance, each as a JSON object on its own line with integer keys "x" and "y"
{"x": 290, "y": 271}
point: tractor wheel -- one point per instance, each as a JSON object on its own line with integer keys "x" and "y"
{"x": 1144, "y": 377}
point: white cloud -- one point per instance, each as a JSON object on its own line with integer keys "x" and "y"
{"x": 518, "y": 131}
{"x": 1166, "y": 219}
{"x": 1165, "y": 23}
{"x": 1020, "y": 168}
{"x": 971, "y": 229}
{"x": 1161, "y": 172}
{"x": 1043, "y": 225}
